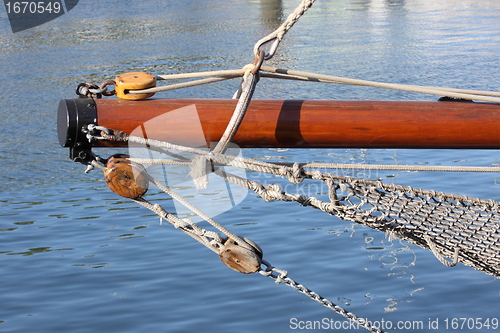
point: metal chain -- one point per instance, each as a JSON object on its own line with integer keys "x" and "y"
{"x": 92, "y": 90}
{"x": 281, "y": 276}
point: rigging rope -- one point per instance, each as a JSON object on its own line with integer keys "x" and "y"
{"x": 287, "y": 74}
{"x": 346, "y": 166}
{"x": 456, "y": 93}
{"x": 216, "y": 242}
{"x": 463, "y": 228}
{"x": 245, "y": 96}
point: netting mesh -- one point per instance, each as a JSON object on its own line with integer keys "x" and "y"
{"x": 448, "y": 225}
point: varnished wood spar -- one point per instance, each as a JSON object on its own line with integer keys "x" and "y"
{"x": 311, "y": 123}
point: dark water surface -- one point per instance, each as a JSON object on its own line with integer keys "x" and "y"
{"x": 74, "y": 257}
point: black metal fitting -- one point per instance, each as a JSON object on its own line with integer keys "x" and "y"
{"x": 73, "y": 117}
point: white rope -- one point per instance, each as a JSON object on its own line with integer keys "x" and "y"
{"x": 198, "y": 212}
{"x": 443, "y": 168}
{"x": 210, "y": 239}
{"x": 278, "y": 34}
{"x": 228, "y": 72}
{"x": 456, "y": 93}
{"x": 253, "y": 165}
{"x": 439, "y": 256}
{"x": 280, "y": 73}
{"x": 247, "y": 89}
{"x": 181, "y": 85}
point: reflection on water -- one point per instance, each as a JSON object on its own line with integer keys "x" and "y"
{"x": 367, "y": 5}
{"x": 271, "y": 13}
{"x": 33, "y": 251}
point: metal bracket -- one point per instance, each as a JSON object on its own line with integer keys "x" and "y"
{"x": 73, "y": 117}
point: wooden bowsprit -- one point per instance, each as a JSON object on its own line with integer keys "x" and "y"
{"x": 294, "y": 123}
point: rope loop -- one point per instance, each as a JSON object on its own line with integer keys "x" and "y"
{"x": 244, "y": 95}
{"x": 439, "y": 256}
{"x": 247, "y": 70}
{"x": 276, "y": 36}
{"x": 273, "y": 42}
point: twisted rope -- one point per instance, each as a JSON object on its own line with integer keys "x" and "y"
{"x": 214, "y": 242}
{"x": 279, "y": 33}
{"x": 248, "y": 85}
{"x": 286, "y": 74}
{"x": 448, "y": 92}
{"x": 209, "y": 239}
{"x": 453, "y": 226}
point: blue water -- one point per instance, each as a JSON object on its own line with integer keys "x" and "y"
{"x": 74, "y": 257}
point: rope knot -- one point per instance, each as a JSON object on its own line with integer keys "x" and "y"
{"x": 273, "y": 192}
{"x": 201, "y": 166}
{"x": 248, "y": 69}
{"x": 304, "y": 200}
{"x": 297, "y": 174}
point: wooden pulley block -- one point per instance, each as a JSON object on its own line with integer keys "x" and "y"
{"x": 126, "y": 178}
{"x": 240, "y": 258}
{"x": 134, "y": 81}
